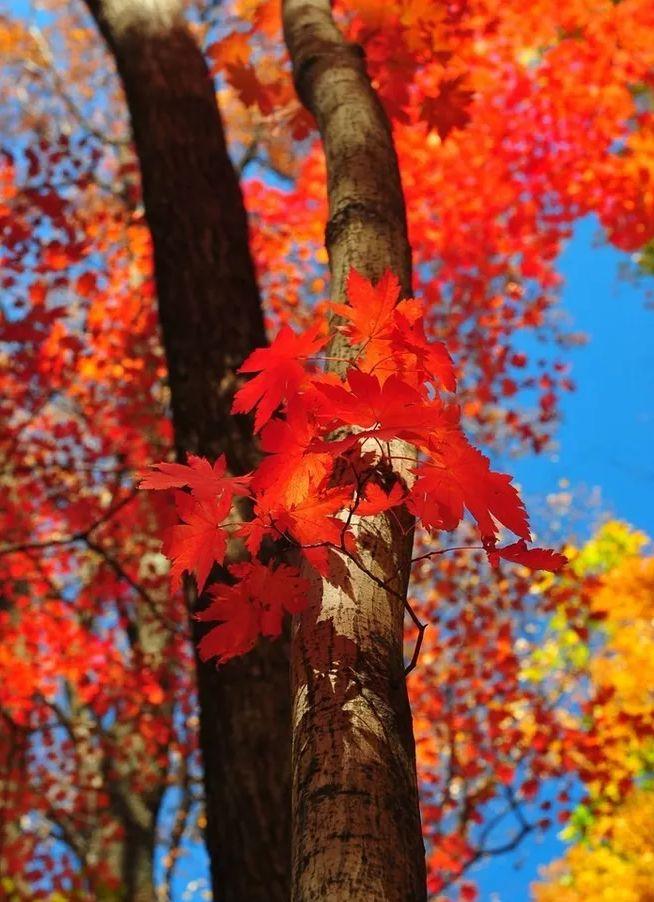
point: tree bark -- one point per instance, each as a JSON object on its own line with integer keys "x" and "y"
{"x": 138, "y": 867}
{"x": 211, "y": 320}
{"x": 356, "y": 822}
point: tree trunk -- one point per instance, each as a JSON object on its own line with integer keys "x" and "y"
{"x": 356, "y": 822}
{"x": 211, "y": 320}
{"x": 138, "y": 867}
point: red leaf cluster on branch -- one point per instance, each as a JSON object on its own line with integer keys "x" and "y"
{"x": 338, "y": 451}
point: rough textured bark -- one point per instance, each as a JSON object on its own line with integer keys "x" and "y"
{"x": 137, "y": 869}
{"x": 356, "y": 823}
{"x": 211, "y": 319}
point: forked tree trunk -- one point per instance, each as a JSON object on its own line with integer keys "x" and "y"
{"x": 356, "y": 823}
{"x": 211, "y": 320}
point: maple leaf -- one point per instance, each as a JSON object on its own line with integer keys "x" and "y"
{"x": 533, "y": 558}
{"x": 468, "y": 893}
{"x": 392, "y": 410}
{"x": 233, "y": 50}
{"x": 280, "y": 372}
{"x": 239, "y": 630}
{"x": 459, "y": 476}
{"x": 314, "y": 522}
{"x": 267, "y": 18}
{"x": 251, "y": 91}
{"x": 86, "y": 284}
{"x": 387, "y": 327}
{"x": 432, "y": 357}
{"x": 370, "y": 309}
{"x": 290, "y": 467}
{"x": 253, "y": 606}
{"x": 279, "y": 591}
{"x": 310, "y": 522}
{"x": 449, "y": 108}
{"x": 376, "y": 500}
{"x": 199, "y": 541}
{"x": 205, "y": 481}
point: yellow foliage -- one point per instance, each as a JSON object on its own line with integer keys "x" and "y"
{"x": 614, "y": 542}
{"x": 615, "y": 861}
{"x": 615, "y": 864}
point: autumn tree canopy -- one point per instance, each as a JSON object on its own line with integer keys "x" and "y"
{"x": 267, "y": 274}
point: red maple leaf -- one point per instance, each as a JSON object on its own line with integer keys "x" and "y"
{"x": 533, "y": 558}
{"x": 314, "y": 523}
{"x": 253, "y": 606}
{"x": 392, "y": 410}
{"x": 239, "y": 629}
{"x": 205, "y": 481}
{"x": 311, "y": 522}
{"x": 468, "y": 892}
{"x": 251, "y": 90}
{"x": 449, "y": 108}
{"x": 376, "y": 500}
{"x": 370, "y": 309}
{"x": 199, "y": 541}
{"x": 290, "y": 467}
{"x": 459, "y": 476}
{"x": 432, "y": 357}
{"x": 281, "y": 372}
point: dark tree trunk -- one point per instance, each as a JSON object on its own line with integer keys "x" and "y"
{"x": 211, "y": 319}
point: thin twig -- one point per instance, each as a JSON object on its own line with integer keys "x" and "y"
{"x": 421, "y": 634}
{"x": 81, "y": 536}
{"x": 60, "y": 86}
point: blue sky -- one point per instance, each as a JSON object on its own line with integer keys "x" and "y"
{"x": 607, "y": 433}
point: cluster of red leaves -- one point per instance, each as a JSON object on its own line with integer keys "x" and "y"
{"x": 81, "y": 584}
{"x": 510, "y": 124}
{"x": 70, "y": 683}
{"x": 337, "y": 450}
